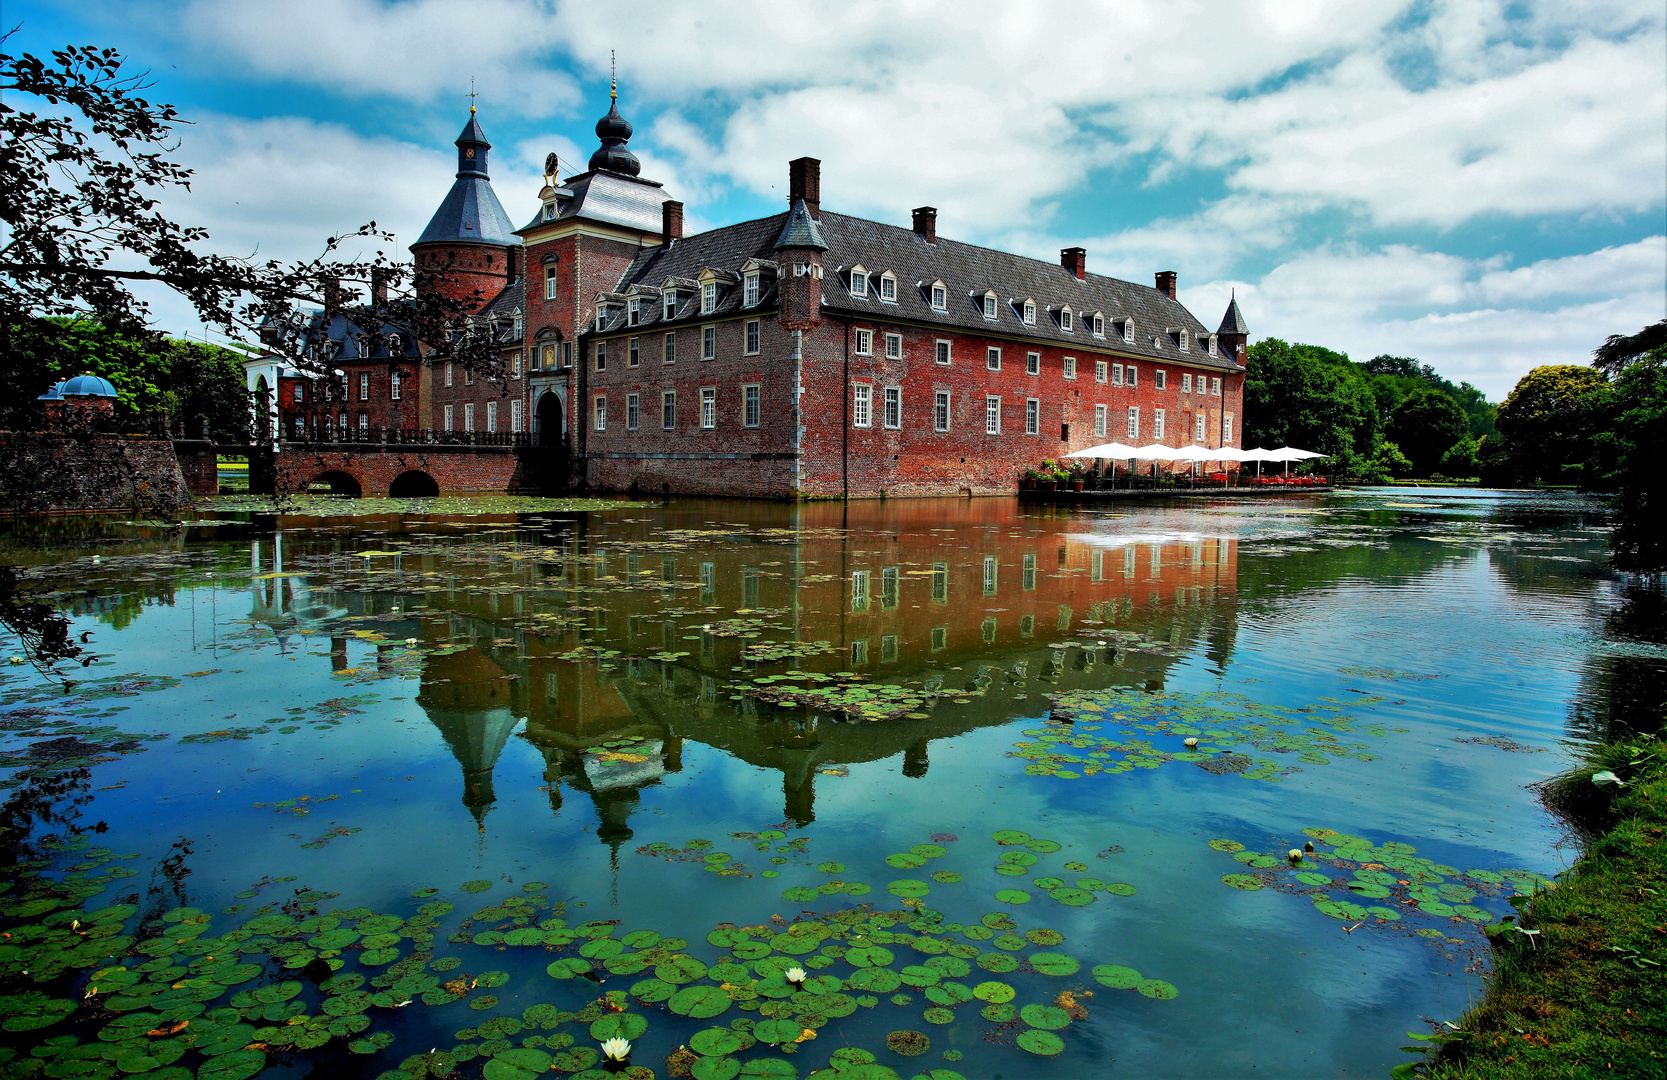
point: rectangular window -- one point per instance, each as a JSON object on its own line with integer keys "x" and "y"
{"x": 991, "y": 571}
{"x": 469, "y": 416}
{"x": 567, "y": 354}
{"x": 940, "y": 411}
{"x": 1186, "y": 383}
{"x": 1099, "y": 421}
{"x": 1065, "y": 320}
{"x": 668, "y": 409}
{"x": 708, "y": 407}
{"x": 894, "y": 346}
{"x": 1030, "y": 313}
{"x": 992, "y": 358}
{"x": 1134, "y": 424}
{"x": 364, "y": 387}
{"x": 630, "y": 412}
{"x": 601, "y": 356}
{"x": 1027, "y": 577}
{"x": 468, "y": 376}
{"x": 708, "y": 342}
{"x": 889, "y": 578}
{"x": 447, "y": 419}
{"x": 515, "y": 365}
{"x": 1227, "y": 430}
{"x": 1198, "y": 435}
{"x": 1099, "y": 326}
{"x": 751, "y": 290}
{"x": 865, "y": 343}
{"x": 861, "y": 395}
{"x": 888, "y": 649}
{"x": 669, "y": 347}
{"x": 749, "y": 405}
{"x": 992, "y": 415}
{"x": 894, "y": 407}
{"x": 940, "y": 582}
{"x": 859, "y": 284}
{"x": 859, "y": 590}
{"x": 301, "y": 390}
{"x": 633, "y": 312}
{"x": 601, "y": 412}
{"x": 393, "y": 385}
{"x": 492, "y": 416}
{"x": 1215, "y": 387}
{"x": 632, "y": 357}
{"x": 1033, "y": 363}
{"x": 709, "y": 298}
{"x": 364, "y": 424}
{"x": 1158, "y": 379}
{"x": 943, "y": 351}
{"x": 1033, "y": 416}
{"x": 1157, "y": 425}
{"x": 668, "y": 312}
{"x": 515, "y": 417}
{"x": 1131, "y": 377}
{"x": 1070, "y": 367}
{"x": 549, "y": 283}
{"x": 1100, "y": 371}
{"x": 940, "y": 298}
{"x": 888, "y": 289}
{"x": 1117, "y": 374}
{"x": 990, "y": 308}
{"x": 752, "y": 337}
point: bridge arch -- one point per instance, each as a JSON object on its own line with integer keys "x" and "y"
{"x": 339, "y": 483}
{"x": 413, "y": 484}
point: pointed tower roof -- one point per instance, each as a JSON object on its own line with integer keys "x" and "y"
{"x": 1233, "y": 322}
{"x": 471, "y": 212}
{"x": 801, "y": 230}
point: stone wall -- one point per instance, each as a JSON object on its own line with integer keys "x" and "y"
{"x": 47, "y": 472}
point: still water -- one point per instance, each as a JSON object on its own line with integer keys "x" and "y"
{"x": 467, "y": 791}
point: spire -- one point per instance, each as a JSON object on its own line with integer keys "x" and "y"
{"x": 801, "y": 230}
{"x": 472, "y": 147}
{"x": 1233, "y": 321}
{"x": 471, "y": 212}
{"x": 614, "y": 132}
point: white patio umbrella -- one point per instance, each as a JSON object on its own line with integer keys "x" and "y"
{"x": 1115, "y": 450}
{"x": 1258, "y": 455}
{"x": 1157, "y": 452}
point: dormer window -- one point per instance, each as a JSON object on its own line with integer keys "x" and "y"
{"x": 888, "y": 287}
{"x": 1029, "y": 310}
{"x": 750, "y": 290}
{"x": 990, "y": 306}
{"x": 709, "y": 298}
{"x": 669, "y": 311}
{"x": 940, "y": 296}
{"x": 1099, "y": 325}
{"x": 633, "y": 312}
{"x": 1181, "y": 339}
{"x": 1128, "y": 331}
{"x": 1067, "y": 322}
{"x": 1214, "y": 346}
{"x": 859, "y": 283}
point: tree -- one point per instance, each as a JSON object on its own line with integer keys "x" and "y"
{"x": 1550, "y": 420}
{"x": 1639, "y": 433}
{"x": 1613, "y": 356}
{"x": 1309, "y": 397}
{"x": 1394, "y": 378}
{"x": 1425, "y": 425}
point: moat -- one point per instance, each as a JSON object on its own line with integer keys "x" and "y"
{"x": 876, "y": 789}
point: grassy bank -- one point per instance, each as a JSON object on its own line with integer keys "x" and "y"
{"x": 1583, "y": 993}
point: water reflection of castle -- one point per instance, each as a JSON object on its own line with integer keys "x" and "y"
{"x": 922, "y": 592}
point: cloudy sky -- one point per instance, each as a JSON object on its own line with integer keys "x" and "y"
{"x": 1478, "y": 183}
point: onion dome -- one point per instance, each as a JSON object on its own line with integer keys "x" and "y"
{"x": 614, "y": 131}
{"x": 86, "y": 385}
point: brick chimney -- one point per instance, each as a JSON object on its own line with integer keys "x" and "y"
{"x": 1076, "y": 261}
{"x": 514, "y": 255}
{"x": 926, "y": 223}
{"x": 804, "y": 181}
{"x": 332, "y": 295}
{"x": 1166, "y": 282}
{"x": 378, "y": 287}
{"x": 671, "y": 221}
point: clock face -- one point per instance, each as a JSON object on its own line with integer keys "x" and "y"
{"x": 469, "y": 153}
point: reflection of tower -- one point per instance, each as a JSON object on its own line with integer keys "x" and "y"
{"x": 798, "y": 790}
{"x": 476, "y": 740}
{"x": 914, "y": 758}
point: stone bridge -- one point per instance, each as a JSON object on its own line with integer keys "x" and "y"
{"x": 408, "y": 471}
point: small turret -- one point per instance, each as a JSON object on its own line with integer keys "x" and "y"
{"x": 1234, "y": 335}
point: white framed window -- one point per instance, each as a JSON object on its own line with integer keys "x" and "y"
{"x": 668, "y": 309}
{"x": 599, "y": 411}
{"x": 992, "y": 358}
{"x": 752, "y": 337}
{"x": 1215, "y": 346}
{"x": 1099, "y": 325}
{"x": 1030, "y": 313}
{"x": 668, "y": 410}
{"x": 992, "y": 415}
{"x": 567, "y": 354}
{"x": 1159, "y": 377}
{"x": 469, "y": 416}
{"x": 940, "y": 411}
{"x": 990, "y": 306}
{"x": 709, "y": 298}
{"x": 749, "y": 404}
{"x": 708, "y": 407}
{"x": 1184, "y": 339}
{"x": 893, "y": 401}
{"x": 364, "y": 424}
{"x": 1067, "y": 322}
{"x": 515, "y": 418}
{"x": 468, "y": 376}
{"x": 301, "y": 390}
{"x": 1128, "y": 329}
{"x": 668, "y": 347}
{"x": 341, "y": 424}
{"x": 1131, "y": 376}
{"x": 940, "y": 297}
{"x": 364, "y": 386}
{"x": 633, "y": 311}
{"x": 630, "y": 412}
{"x": 1215, "y": 387}
{"x": 1157, "y": 425}
{"x": 1070, "y": 367}
{"x": 1133, "y": 431}
{"x": 894, "y": 346}
{"x": 633, "y": 357}
{"x": 1100, "y": 372}
{"x": 550, "y": 283}
{"x": 393, "y": 382}
{"x": 1033, "y": 416}
{"x": 1033, "y": 363}
{"x": 1200, "y": 423}
{"x": 888, "y": 288}
{"x": 1099, "y": 421}
{"x": 708, "y": 342}
{"x": 601, "y": 356}
{"x": 446, "y": 421}
{"x": 1227, "y": 430}
{"x": 859, "y": 283}
{"x": 492, "y": 416}
{"x": 861, "y": 404}
{"x": 601, "y": 316}
{"x": 864, "y": 343}
{"x": 1186, "y": 383}
{"x": 448, "y": 372}
{"x": 515, "y": 365}
{"x": 943, "y": 351}
{"x": 750, "y": 290}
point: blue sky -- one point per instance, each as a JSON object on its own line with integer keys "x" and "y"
{"x": 1478, "y": 183}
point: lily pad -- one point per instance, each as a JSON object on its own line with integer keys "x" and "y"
{"x": 1009, "y": 837}
{"x": 699, "y": 1002}
{"x": 1057, "y": 964}
{"x": 1242, "y": 881}
{"x": 1013, "y": 896}
{"x": 619, "y": 1025}
{"x": 994, "y": 992}
{"x": 1041, "y": 1043}
{"x": 1157, "y": 988}
{"x": 718, "y": 1041}
{"x": 1115, "y": 976}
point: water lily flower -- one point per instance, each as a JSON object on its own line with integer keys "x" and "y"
{"x": 1295, "y": 854}
{"x": 410, "y": 641}
{"x": 794, "y": 974}
{"x": 1190, "y": 743}
{"x": 616, "y": 1048}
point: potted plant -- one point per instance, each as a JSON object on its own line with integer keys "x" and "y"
{"x": 1030, "y": 478}
{"x": 1079, "y": 476}
{"x": 1048, "y": 477}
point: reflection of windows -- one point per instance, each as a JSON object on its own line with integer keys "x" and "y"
{"x": 1027, "y": 625}
{"x": 888, "y": 587}
{"x": 1128, "y": 561}
{"x": 708, "y": 582}
{"x": 859, "y": 652}
{"x": 940, "y": 638}
{"x": 1097, "y": 566}
{"x": 749, "y": 587}
{"x": 989, "y": 629}
{"x": 989, "y": 574}
{"x": 1028, "y": 582}
{"x": 888, "y": 649}
{"x": 1064, "y": 620}
{"x": 859, "y": 590}
{"x": 940, "y": 582}
{"x": 668, "y": 636}
{"x": 551, "y": 684}
{"x": 668, "y": 569}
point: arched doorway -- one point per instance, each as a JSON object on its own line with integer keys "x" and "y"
{"x": 413, "y": 484}
{"x": 552, "y": 420}
{"x": 337, "y": 483}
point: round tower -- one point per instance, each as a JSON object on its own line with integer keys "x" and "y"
{"x": 470, "y": 238}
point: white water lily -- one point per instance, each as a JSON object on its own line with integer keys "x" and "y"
{"x": 616, "y": 1048}
{"x": 794, "y": 974}
{"x": 1295, "y": 854}
{"x": 410, "y": 641}
{"x": 1190, "y": 743}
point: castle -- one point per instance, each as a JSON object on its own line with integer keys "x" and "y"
{"x": 806, "y": 354}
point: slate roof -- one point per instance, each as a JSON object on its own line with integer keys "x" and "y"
{"x": 513, "y": 298}
{"x": 1233, "y": 321}
{"x": 800, "y": 230}
{"x": 966, "y": 270}
{"x": 609, "y": 198}
{"x": 471, "y": 214}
